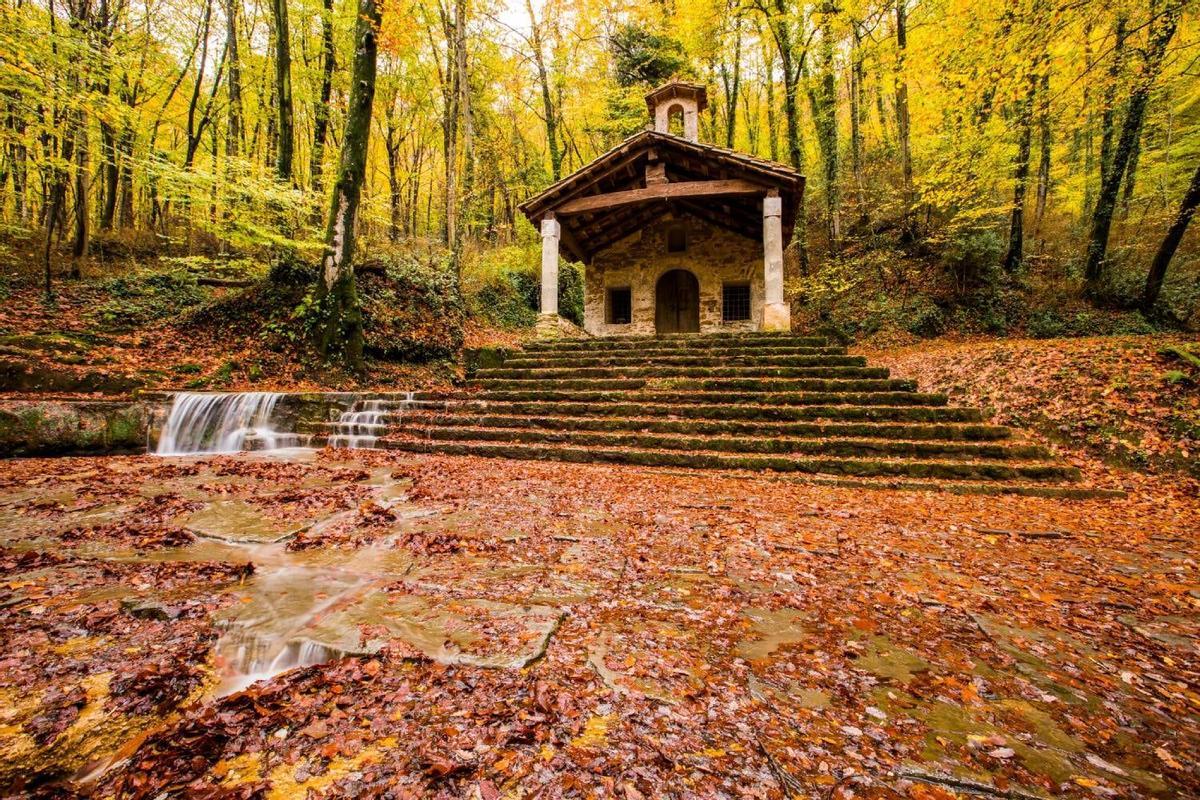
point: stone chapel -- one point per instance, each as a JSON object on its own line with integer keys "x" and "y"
{"x": 676, "y": 236}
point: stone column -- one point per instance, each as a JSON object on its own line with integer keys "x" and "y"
{"x": 777, "y": 314}
{"x": 691, "y": 123}
{"x": 550, "y": 235}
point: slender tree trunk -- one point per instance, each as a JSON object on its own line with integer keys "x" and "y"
{"x": 283, "y": 90}
{"x": 110, "y": 175}
{"x": 548, "y": 111}
{"x": 125, "y": 146}
{"x": 81, "y": 238}
{"x": 772, "y": 121}
{"x": 1130, "y": 177}
{"x": 1166, "y": 251}
{"x": 825, "y": 116}
{"x": 1045, "y": 140}
{"x": 856, "y": 115}
{"x": 902, "y": 122}
{"x": 321, "y": 112}
{"x": 733, "y": 84}
{"x": 233, "y": 132}
{"x": 468, "y": 132}
{"x": 1109, "y": 115}
{"x": 1016, "y": 228}
{"x": 341, "y": 328}
{"x": 1160, "y": 35}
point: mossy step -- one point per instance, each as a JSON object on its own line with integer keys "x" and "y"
{"x": 728, "y": 411}
{"x": 742, "y": 336}
{"x": 740, "y": 444}
{"x": 537, "y": 362}
{"x": 705, "y": 384}
{"x": 916, "y": 431}
{"x": 702, "y": 343}
{"x": 857, "y": 467}
{"x": 675, "y": 352}
{"x": 755, "y": 398}
{"x": 640, "y": 371}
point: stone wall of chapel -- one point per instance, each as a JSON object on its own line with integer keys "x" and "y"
{"x": 715, "y": 256}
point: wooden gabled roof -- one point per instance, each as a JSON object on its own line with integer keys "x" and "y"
{"x": 587, "y": 228}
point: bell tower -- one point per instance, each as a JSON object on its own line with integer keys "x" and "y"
{"x": 677, "y": 97}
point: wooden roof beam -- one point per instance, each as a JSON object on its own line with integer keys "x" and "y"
{"x": 664, "y": 191}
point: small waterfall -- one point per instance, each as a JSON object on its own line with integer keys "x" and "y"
{"x": 222, "y": 423}
{"x": 362, "y": 425}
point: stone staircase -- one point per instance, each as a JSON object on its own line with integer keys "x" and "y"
{"x": 784, "y": 403}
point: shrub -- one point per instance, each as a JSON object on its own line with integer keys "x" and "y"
{"x": 411, "y": 307}
{"x": 144, "y": 297}
{"x": 504, "y": 288}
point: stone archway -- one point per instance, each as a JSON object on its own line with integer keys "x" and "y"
{"x": 677, "y": 303}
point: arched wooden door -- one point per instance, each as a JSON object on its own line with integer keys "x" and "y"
{"x": 677, "y": 303}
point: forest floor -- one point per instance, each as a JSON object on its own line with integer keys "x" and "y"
{"x": 1128, "y": 400}
{"x": 526, "y": 629}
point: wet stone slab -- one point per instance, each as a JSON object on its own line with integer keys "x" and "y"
{"x": 239, "y": 521}
{"x": 480, "y": 633}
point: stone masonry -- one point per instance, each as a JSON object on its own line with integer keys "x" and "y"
{"x": 713, "y": 255}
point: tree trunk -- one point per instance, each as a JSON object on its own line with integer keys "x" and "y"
{"x": 1109, "y": 115}
{"x": 1045, "y": 141}
{"x": 341, "y": 324}
{"x": 1016, "y": 228}
{"x": 321, "y": 112}
{"x": 772, "y": 122}
{"x": 233, "y": 133}
{"x": 1160, "y": 35}
{"x": 902, "y": 122}
{"x": 1130, "y": 177}
{"x": 1158, "y": 269}
{"x": 110, "y": 175}
{"x": 856, "y": 115}
{"x": 733, "y": 84}
{"x": 80, "y": 240}
{"x": 283, "y": 91}
{"x": 548, "y": 112}
{"x": 825, "y": 117}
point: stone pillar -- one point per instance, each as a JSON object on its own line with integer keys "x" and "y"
{"x": 691, "y": 123}
{"x": 777, "y": 314}
{"x": 550, "y": 235}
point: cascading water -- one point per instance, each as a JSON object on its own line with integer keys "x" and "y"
{"x": 361, "y": 426}
{"x": 222, "y": 423}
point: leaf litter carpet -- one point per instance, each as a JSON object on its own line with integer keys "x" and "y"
{"x": 493, "y": 629}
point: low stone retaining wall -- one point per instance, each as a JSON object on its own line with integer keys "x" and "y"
{"x": 68, "y": 427}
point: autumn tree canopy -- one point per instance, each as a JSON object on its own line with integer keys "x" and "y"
{"x": 1028, "y": 135}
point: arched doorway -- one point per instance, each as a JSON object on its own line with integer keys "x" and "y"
{"x": 677, "y": 303}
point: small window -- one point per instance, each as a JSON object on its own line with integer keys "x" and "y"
{"x": 676, "y": 239}
{"x": 735, "y": 302}
{"x": 619, "y": 306}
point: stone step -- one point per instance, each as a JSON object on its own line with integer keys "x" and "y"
{"x": 724, "y": 411}
{"x": 908, "y": 398}
{"x": 689, "y": 345}
{"x": 704, "y": 384}
{"x": 888, "y": 448}
{"x": 677, "y": 352}
{"x": 871, "y": 430}
{"x": 642, "y": 371}
{"x": 737, "y": 336}
{"x": 857, "y": 467}
{"x": 537, "y": 362}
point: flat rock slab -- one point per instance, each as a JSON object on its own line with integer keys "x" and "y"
{"x": 480, "y": 633}
{"x": 239, "y": 521}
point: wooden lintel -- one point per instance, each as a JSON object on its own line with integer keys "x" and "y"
{"x": 664, "y": 191}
